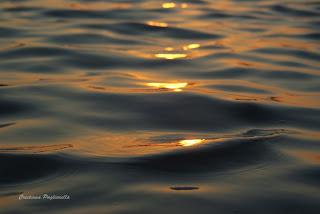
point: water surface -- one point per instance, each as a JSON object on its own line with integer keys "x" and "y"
{"x": 142, "y": 106}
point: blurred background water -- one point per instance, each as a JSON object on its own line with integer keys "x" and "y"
{"x": 142, "y": 106}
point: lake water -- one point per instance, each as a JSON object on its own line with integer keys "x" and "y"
{"x": 141, "y": 106}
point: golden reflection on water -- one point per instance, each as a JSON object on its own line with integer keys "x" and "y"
{"x": 184, "y": 5}
{"x": 157, "y": 24}
{"x": 168, "y": 5}
{"x": 89, "y": 82}
{"x": 171, "y": 86}
{"x": 191, "y": 46}
{"x": 305, "y": 155}
{"x": 142, "y": 143}
{"x": 169, "y": 48}
{"x": 170, "y": 56}
{"x": 190, "y": 142}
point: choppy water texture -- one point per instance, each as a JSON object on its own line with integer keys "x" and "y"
{"x": 141, "y": 106}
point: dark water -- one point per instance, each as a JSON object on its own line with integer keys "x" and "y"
{"x": 141, "y": 106}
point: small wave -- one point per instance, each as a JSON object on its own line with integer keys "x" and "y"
{"x": 35, "y": 149}
{"x": 28, "y": 168}
{"x": 158, "y": 31}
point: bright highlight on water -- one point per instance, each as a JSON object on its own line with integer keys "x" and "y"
{"x": 173, "y": 86}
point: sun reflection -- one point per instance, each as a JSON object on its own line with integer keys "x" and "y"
{"x": 157, "y": 24}
{"x": 168, "y": 5}
{"x": 170, "y": 55}
{"x": 172, "y": 86}
{"x": 169, "y": 48}
{"x": 191, "y": 46}
{"x": 190, "y": 142}
{"x": 184, "y": 5}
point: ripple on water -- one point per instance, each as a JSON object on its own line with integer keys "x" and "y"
{"x": 132, "y": 28}
{"x": 142, "y": 106}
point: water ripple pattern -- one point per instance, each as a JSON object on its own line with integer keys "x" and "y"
{"x": 148, "y": 106}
